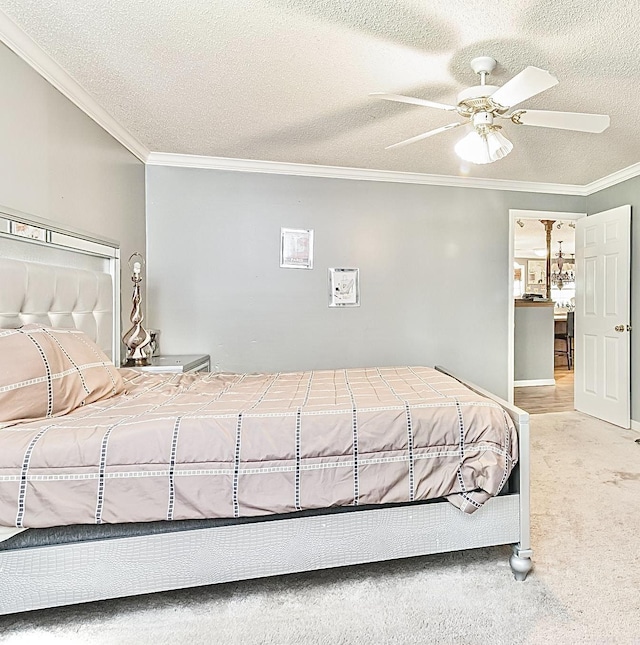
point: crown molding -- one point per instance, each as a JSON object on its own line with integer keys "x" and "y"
{"x": 24, "y": 46}
{"x": 362, "y": 174}
{"x": 614, "y": 178}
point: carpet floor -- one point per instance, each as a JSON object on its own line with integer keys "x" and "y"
{"x": 585, "y": 587}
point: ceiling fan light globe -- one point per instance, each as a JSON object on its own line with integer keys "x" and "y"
{"x": 499, "y": 145}
{"x": 473, "y": 148}
{"x": 482, "y": 147}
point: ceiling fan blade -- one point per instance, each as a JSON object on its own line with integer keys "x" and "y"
{"x": 424, "y": 135}
{"x": 414, "y": 101}
{"x": 562, "y": 120}
{"x": 529, "y": 82}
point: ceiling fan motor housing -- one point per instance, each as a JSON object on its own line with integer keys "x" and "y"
{"x": 476, "y": 92}
{"x": 478, "y": 99}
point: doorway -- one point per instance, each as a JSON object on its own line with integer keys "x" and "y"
{"x": 547, "y": 386}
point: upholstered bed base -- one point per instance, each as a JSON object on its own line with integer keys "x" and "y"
{"x": 74, "y": 573}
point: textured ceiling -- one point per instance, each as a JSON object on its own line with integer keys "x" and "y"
{"x": 288, "y": 80}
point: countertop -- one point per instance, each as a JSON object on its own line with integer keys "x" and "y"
{"x": 519, "y": 302}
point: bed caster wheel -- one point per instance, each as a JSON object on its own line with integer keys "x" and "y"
{"x": 520, "y": 566}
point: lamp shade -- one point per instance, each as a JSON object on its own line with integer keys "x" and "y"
{"x": 483, "y": 146}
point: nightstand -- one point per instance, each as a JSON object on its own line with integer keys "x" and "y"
{"x": 176, "y": 363}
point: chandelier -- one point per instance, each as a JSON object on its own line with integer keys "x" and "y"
{"x": 560, "y": 276}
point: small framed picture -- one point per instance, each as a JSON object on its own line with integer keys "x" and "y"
{"x": 536, "y": 272}
{"x": 296, "y": 248}
{"x": 26, "y": 230}
{"x": 344, "y": 287}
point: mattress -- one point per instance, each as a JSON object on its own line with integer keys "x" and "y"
{"x": 197, "y": 446}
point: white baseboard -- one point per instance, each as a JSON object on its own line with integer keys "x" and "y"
{"x": 635, "y": 425}
{"x": 535, "y": 382}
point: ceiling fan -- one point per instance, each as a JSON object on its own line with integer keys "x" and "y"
{"x": 482, "y": 105}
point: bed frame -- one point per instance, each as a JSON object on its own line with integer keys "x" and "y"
{"x": 63, "y": 574}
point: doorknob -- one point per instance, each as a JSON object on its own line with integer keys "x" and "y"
{"x": 628, "y": 327}
{"x": 619, "y": 327}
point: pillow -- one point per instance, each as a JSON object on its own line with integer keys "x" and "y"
{"x": 49, "y": 372}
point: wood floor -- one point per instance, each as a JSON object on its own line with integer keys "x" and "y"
{"x": 548, "y": 398}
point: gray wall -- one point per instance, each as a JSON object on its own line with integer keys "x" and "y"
{"x": 627, "y": 192}
{"x": 57, "y": 163}
{"x": 533, "y": 343}
{"x": 433, "y": 262}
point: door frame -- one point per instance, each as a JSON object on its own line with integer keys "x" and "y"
{"x": 515, "y": 214}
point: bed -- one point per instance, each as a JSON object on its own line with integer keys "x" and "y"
{"x": 280, "y": 497}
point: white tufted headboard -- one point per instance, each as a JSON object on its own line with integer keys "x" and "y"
{"x": 59, "y": 278}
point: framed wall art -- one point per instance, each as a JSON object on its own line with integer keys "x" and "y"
{"x": 536, "y": 272}
{"x": 344, "y": 287}
{"x": 296, "y": 248}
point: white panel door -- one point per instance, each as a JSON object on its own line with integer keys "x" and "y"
{"x": 602, "y": 320}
